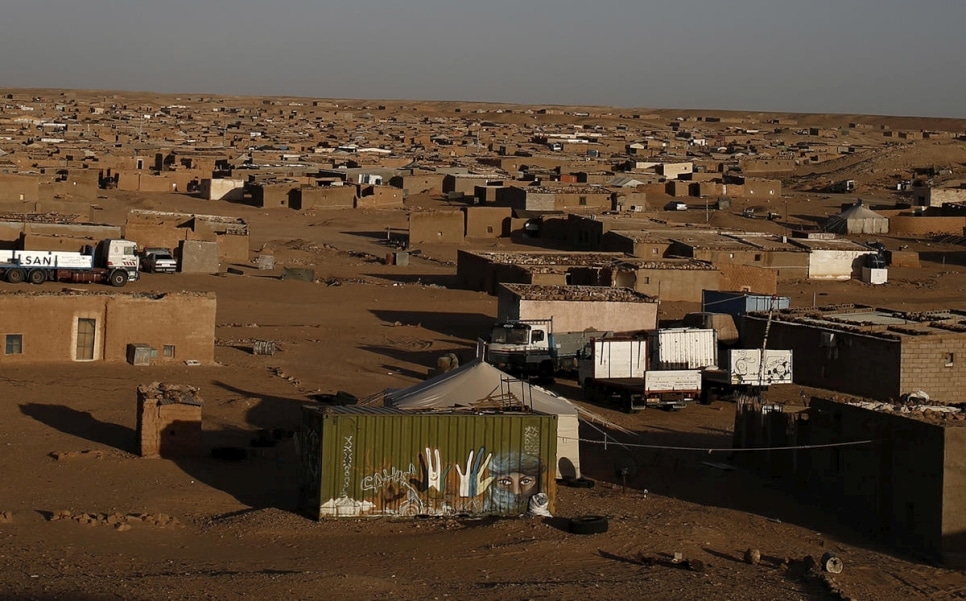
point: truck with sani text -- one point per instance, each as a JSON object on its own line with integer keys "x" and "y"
{"x": 114, "y": 262}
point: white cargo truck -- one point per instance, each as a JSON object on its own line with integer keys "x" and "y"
{"x": 530, "y": 347}
{"x": 615, "y": 370}
{"x": 111, "y": 261}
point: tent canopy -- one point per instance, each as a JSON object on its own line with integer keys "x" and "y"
{"x": 478, "y": 385}
{"x": 858, "y": 219}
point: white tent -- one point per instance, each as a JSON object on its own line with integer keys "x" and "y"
{"x": 858, "y": 219}
{"x": 479, "y": 385}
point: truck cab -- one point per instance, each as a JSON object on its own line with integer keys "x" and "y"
{"x": 519, "y": 346}
{"x": 118, "y": 254}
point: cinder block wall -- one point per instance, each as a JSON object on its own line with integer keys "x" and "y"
{"x": 857, "y": 364}
{"x": 936, "y": 365}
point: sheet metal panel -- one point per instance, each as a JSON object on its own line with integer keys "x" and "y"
{"x": 355, "y": 462}
{"x": 618, "y": 359}
{"x": 683, "y": 348}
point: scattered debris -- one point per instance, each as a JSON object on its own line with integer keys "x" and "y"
{"x": 61, "y": 455}
{"x": 120, "y": 522}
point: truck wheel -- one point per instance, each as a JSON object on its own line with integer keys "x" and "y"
{"x": 627, "y": 402}
{"x": 117, "y": 278}
{"x": 588, "y": 524}
{"x": 545, "y": 374}
{"x": 36, "y": 276}
{"x": 15, "y": 276}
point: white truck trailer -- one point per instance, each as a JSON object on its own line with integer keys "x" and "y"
{"x": 742, "y": 371}
{"x": 111, "y": 261}
{"x": 615, "y": 370}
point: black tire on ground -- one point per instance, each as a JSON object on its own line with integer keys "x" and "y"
{"x": 117, "y": 278}
{"x": 588, "y": 524}
{"x": 36, "y": 276}
{"x": 707, "y": 395}
{"x": 16, "y": 276}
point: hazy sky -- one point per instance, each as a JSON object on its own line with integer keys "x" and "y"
{"x": 845, "y": 56}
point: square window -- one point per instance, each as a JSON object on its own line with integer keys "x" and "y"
{"x": 14, "y": 344}
{"x": 168, "y": 351}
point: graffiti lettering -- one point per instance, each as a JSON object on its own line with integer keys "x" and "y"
{"x": 388, "y": 476}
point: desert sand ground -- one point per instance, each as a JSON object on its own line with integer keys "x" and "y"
{"x": 205, "y": 529}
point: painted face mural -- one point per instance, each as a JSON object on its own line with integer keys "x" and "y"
{"x": 516, "y": 477}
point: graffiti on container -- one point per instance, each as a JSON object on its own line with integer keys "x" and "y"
{"x": 472, "y": 482}
{"x": 516, "y": 478}
{"x": 531, "y": 440}
{"x": 479, "y": 482}
{"x": 346, "y": 466}
{"x": 388, "y": 477}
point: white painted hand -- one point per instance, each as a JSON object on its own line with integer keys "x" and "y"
{"x": 433, "y": 469}
{"x": 471, "y": 481}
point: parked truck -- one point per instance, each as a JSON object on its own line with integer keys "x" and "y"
{"x": 616, "y": 370}
{"x": 530, "y": 347}
{"x": 114, "y": 262}
{"x": 741, "y": 371}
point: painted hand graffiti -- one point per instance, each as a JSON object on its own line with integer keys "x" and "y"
{"x": 472, "y": 482}
{"x": 435, "y": 474}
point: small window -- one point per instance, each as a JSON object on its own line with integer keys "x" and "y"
{"x": 536, "y": 336}
{"x": 653, "y": 251}
{"x": 757, "y": 257}
{"x": 140, "y": 164}
{"x": 647, "y": 280}
{"x": 14, "y": 344}
{"x": 583, "y": 201}
{"x": 168, "y": 351}
{"x": 950, "y": 359}
{"x": 489, "y": 229}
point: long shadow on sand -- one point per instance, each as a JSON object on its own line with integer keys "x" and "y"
{"x": 82, "y": 425}
{"x": 713, "y": 479}
{"x": 261, "y": 476}
{"x": 468, "y": 326}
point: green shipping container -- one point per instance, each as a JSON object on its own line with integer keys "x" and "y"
{"x": 356, "y": 461}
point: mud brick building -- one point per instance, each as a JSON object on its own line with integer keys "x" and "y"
{"x": 169, "y": 421}
{"x": 874, "y": 353}
{"x": 53, "y": 327}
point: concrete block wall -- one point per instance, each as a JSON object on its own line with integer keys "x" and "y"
{"x": 935, "y": 365}
{"x": 856, "y": 364}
